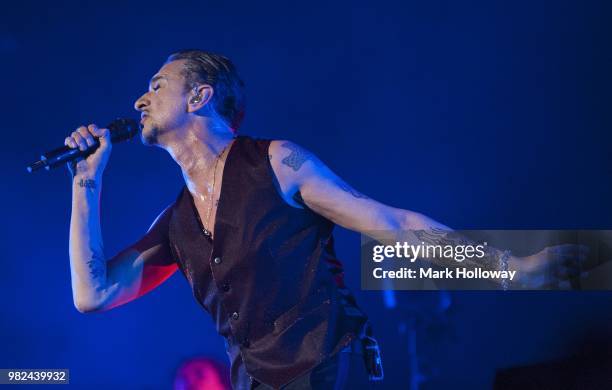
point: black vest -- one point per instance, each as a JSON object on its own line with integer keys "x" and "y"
{"x": 270, "y": 278}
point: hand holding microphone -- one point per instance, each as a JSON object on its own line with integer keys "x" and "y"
{"x": 88, "y": 148}
{"x": 84, "y": 138}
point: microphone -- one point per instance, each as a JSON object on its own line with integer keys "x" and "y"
{"x": 121, "y": 129}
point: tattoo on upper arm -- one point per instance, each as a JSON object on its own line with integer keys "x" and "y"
{"x": 97, "y": 265}
{"x": 87, "y": 183}
{"x": 346, "y": 188}
{"x": 297, "y": 157}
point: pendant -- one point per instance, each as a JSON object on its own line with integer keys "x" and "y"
{"x": 206, "y": 232}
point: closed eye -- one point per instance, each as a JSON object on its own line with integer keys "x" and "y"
{"x": 155, "y": 83}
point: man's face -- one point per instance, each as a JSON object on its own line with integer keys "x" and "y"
{"x": 164, "y": 107}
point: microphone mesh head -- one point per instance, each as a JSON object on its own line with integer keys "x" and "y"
{"x": 122, "y": 129}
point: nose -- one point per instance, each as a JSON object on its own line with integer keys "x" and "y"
{"x": 141, "y": 103}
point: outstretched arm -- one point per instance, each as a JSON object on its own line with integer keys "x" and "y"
{"x": 302, "y": 175}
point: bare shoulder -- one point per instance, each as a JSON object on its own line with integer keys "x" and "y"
{"x": 324, "y": 192}
{"x": 289, "y": 158}
{"x": 291, "y": 163}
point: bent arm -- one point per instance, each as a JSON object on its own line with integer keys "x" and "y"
{"x": 98, "y": 284}
{"x": 87, "y": 262}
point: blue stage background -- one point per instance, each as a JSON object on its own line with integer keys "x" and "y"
{"x": 479, "y": 114}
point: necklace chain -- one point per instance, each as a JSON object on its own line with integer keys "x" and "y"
{"x": 212, "y": 195}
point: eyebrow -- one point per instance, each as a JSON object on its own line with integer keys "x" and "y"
{"x": 156, "y": 78}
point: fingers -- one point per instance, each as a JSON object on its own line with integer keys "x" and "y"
{"x": 104, "y": 136}
{"x": 86, "y": 137}
{"x": 560, "y": 266}
{"x": 80, "y": 141}
{"x": 77, "y": 139}
{"x": 86, "y": 134}
{"x": 571, "y": 262}
{"x": 68, "y": 141}
{"x": 568, "y": 254}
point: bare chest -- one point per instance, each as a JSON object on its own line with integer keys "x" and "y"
{"x": 206, "y": 202}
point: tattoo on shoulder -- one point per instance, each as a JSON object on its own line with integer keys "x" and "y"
{"x": 346, "y": 188}
{"x": 87, "y": 183}
{"x": 297, "y": 157}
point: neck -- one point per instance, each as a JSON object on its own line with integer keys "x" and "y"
{"x": 196, "y": 148}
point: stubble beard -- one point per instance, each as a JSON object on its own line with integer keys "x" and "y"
{"x": 150, "y": 136}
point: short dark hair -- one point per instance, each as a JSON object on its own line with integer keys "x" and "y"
{"x": 217, "y": 71}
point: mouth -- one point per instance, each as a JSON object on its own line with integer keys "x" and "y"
{"x": 143, "y": 116}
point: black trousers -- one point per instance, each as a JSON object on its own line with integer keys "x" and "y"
{"x": 345, "y": 370}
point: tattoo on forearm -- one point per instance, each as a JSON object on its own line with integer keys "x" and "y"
{"x": 297, "y": 157}
{"x": 87, "y": 183}
{"x": 443, "y": 238}
{"x": 346, "y": 188}
{"x": 97, "y": 265}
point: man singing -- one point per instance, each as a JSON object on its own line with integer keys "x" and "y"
{"x": 251, "y": 231}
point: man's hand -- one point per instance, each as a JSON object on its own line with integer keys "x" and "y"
{"x": 83, "y": 138}
{"x": 552, "y": 267}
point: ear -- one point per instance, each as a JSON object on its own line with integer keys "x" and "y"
{"x": 199, "y": 97}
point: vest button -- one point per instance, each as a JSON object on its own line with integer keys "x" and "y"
{"x": 235, "y": 316}
{"x": 217, "y": 260}
{"x": 246, "y": 343}
{"x": 225, "y": 287}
